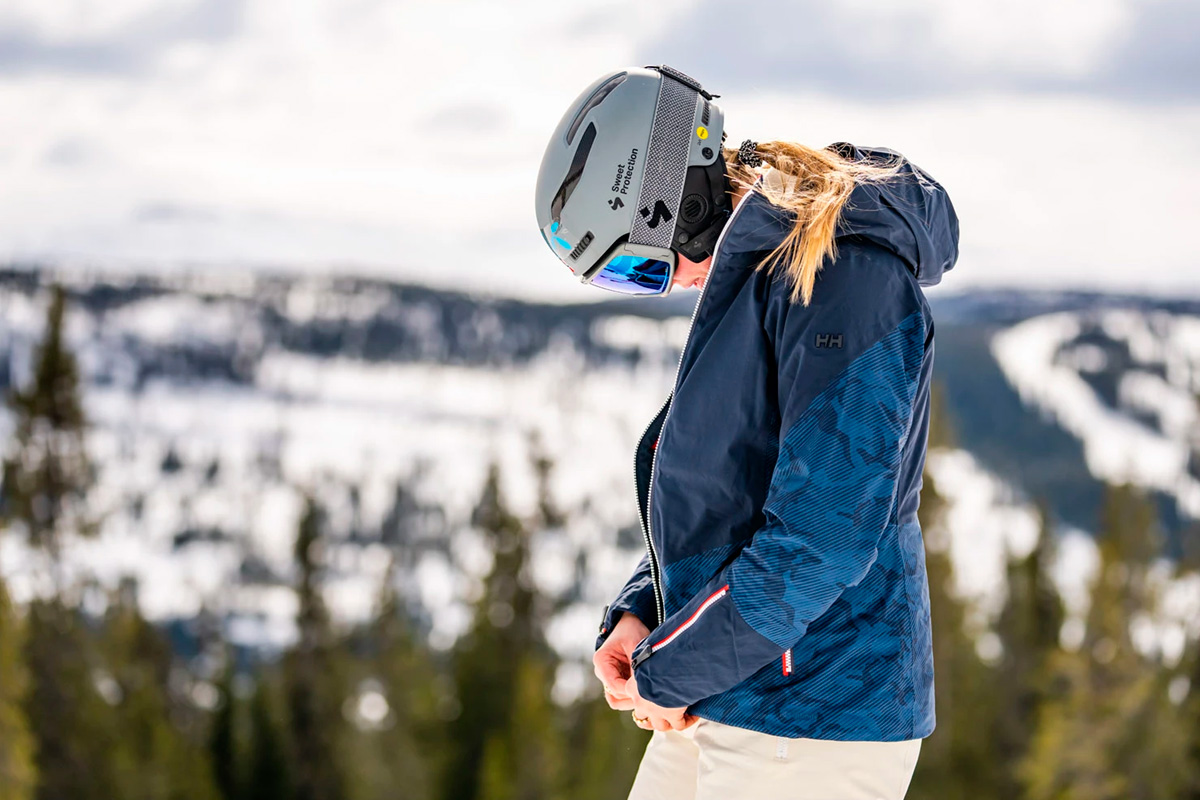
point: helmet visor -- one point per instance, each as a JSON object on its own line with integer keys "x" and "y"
{"x": 634, "y": 275}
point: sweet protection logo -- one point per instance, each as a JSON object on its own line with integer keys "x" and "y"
{"x": 661, "y": 214}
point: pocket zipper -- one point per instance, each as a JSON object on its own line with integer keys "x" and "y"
{"x": 787, "y": 661}
{"x": 687, "y": 623}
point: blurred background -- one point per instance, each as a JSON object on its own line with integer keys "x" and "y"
{"x": 318, "y": 466}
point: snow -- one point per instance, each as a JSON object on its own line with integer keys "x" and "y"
{"x": 985, "y": 518}
{"x": 177, "y": 319}
{"x": 1174, "y": 407}
{"x": 1117, "y": 447}
{"x": 247, "y": 452}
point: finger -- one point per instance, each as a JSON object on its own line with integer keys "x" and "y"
{"x": 609, "y": 673}
{"x": 660, "y": 724}
{"x": 619, "y": 705}
{"x": 615, "y": 657}
{"x": 689, "y": 720}
{"x": 617, "y": 696}
{"x": 616, "y": 690}
{"x": 618, "y": 702}
{"x": 677, "y": 723}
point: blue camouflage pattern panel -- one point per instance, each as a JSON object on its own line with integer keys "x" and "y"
{"x": 863, "y": 671}
{"x": 834, "y": 486}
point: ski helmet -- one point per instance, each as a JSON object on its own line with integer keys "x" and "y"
{"x": 634, "y": 175}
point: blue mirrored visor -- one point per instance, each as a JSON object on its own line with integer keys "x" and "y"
{"x": 634, "y": 275}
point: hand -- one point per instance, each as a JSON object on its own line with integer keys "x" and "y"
{"x": 657, "y": 717}
{"x": 611, "y": 661}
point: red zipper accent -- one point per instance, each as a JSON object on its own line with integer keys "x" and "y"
{"x": 787, "y": 661}
{"x": 687, "y": 623}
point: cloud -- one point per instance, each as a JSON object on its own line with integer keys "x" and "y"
{"x": 71, "y": 152}
{"x": 164, "y": 211}
{"x": 874, "y": 51}
{"x": 465, "y": 118}
{"x": 29, "y": 46}
{"x": 1160, "y": 59}
{"x": 405, "y": 137}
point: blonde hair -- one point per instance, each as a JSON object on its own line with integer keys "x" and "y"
{"x": 814, "y": 185}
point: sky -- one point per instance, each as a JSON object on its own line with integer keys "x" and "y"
{"x": 402, "y": 139}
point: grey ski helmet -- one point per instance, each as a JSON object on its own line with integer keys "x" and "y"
{"x": 632, "y": 176}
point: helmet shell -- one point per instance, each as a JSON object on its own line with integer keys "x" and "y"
{"x": 589, "y": 193}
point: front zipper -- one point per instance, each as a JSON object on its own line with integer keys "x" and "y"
{"x": 646, "y": 528}
{"x": 658, "y": 598}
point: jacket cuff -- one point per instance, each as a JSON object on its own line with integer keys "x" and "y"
{"x": 704, "y": 649}
{"x": 640, "y": 604}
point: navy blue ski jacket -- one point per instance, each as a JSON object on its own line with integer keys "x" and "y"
{"x": 784, "y": 581}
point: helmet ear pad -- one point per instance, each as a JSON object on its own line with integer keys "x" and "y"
{"x": 703, "y": 210}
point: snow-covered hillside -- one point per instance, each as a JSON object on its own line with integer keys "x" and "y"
{"x": 1124, "y": 382}
{"x": 215, "y": 403}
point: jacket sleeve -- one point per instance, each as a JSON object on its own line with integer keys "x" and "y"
{"x": 848, "y": 372}
{"x": 636, "y": 597}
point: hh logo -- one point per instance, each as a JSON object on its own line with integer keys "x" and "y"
{"x": 615, "y": 203}
{"x": 829, "y": 340}
{"x": 661, "y": 214}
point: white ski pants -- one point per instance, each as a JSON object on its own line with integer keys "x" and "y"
{"x": 713, "y": 761}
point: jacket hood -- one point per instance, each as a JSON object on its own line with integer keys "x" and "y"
{"x": 910, "y": 215}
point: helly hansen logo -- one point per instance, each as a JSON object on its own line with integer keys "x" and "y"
{"x": 829, "y": 340}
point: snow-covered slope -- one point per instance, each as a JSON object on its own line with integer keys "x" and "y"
{"x": 216, "y": 403}
{"x": 1124, "y": 382}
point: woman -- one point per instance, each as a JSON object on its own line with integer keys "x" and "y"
{"x": 776, "y": 635}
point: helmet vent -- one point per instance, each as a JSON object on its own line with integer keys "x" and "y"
{"x": 596, "y": 99}
{"x": 704, "y": 114}
{"x": 694, "y": 208}
{"x": 583, "y": 245}
{"x": 574, "y": 173}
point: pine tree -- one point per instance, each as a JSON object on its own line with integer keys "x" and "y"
{"x": 1190, "y": 713}
{"x": 48, "y": 474}
{"x": 72, "y": 722}
{"x": 956, "y": 761}
{"x": 269, "y": 774}
{"x": 314, "y": 677}
{"x": 524, "y": 759}
{"x": 154, "y": 759}
{"x": 17, "y": 775}
{"x": 223, "y": 737}
{"x": 502, "y": 657}
{"x": 46, "y": 477}
{"x": 613, "y": 745}
{"x": 1028, "y": 629}
{"x": 406, "y": 745}
{"x": 1110, "y": 730}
